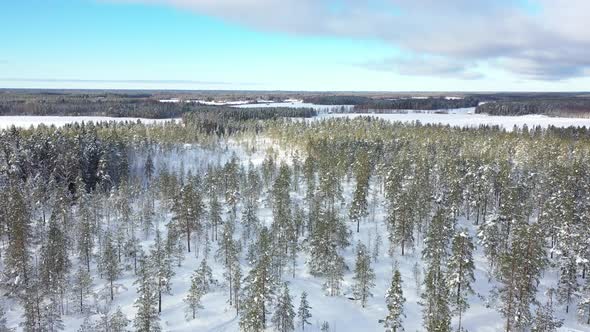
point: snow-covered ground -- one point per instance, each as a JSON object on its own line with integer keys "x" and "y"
{"x": 27, "y": 121}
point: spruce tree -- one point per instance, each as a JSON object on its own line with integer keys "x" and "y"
{"x": 568, "y": 282}
{"x": 284, "y": 316}
{"x": 146, "y": 318}
{"x": 162, "y": 266}
{"x": 364, "y": 276}
{"x": 460, "y": 269}
{"x": 118, "y": 322}
{"x": 303, "y": 312}
{"x": 81, "y": 287}
{"x": 110, "y": 263}
{"x": 259, "y": 288}
{"x": 544, "y": 320}
{"x": 395, "y": 305}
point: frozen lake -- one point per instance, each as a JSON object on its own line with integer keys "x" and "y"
{"x": 26, "y": 121}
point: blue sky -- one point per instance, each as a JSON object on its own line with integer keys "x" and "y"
{"x": 284, "y": 45}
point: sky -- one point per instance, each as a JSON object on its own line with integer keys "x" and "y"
{"x": 311, "y": 45}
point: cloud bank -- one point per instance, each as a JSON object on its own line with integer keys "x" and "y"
{"x": 533, "y": 39}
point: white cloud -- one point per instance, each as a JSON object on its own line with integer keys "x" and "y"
{"x": 535, "y": 39}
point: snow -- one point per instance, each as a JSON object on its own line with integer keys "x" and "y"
{"x": 58, "y": 121}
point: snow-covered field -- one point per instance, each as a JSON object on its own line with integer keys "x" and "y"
{"x": 27, "y": 121}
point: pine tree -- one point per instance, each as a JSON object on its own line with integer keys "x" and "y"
{"x": 148, "y": 167}
{"x": 284, "y": 316}
{"x": 188, "y": 209}
{"x": 147, "y": 318}
{"x": 162, "y": 265}
{"x": 237, "y": 285}
{"x": 364, "y": 276}
{"x": 81, "y": 288}
{"x": 435, "y": 297}
{"x": 199, "y": 287}
{"x": 110, "y": 263}
{"x": 118, "y": 322}
{"x": 520, "y": 269}
{"x": 460, "y": 269}
{"x": 19, "y": 233}
{"x": 259, "y": 288}
{"x": 215, "y": 215}
{"x": 54, "y": 262}
{"x": 334, "y": 275}
{"x": 544, "y": 320}
{"x": 395, "y": 305}
{"x": 303, "y": 312}
{"x": 228, "y": 254}
{"x": 568, "y": 282}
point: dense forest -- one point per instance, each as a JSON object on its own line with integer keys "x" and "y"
{"x": 424, "y": 222}
{"x": 147, "y": 104}
{"x": 431, "y": 103}
{"x": 568, "y": 107}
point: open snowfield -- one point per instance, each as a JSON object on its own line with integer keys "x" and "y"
{"x": 27, "y": 121}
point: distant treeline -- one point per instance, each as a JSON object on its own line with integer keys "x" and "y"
{"x": 551, "y": 107}
{"x": 223, "y": 120}
{"x": 417, "y": 104}
{"x": 74, "y": 106}
{"x": 338, "y": 100}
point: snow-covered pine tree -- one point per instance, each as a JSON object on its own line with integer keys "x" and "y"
{"x": 215, "y": 215}
{"x": 284, "y": 315}
{"x": 162, "y": 267}
{"x": 194, "y": 295}
{"x": 110, "y": 263}
{"x": 303, "y": 312}
{"x": 520, "y": 269}
{"x": 568, "y": 286}
{"x": 364, "y": 276}
{"x": 544, "y": 320}
{"x": 395, "y": 304}
{"x": 200, "y": 285}
{"x": 81, "y": 287}
{"x": 362, "y": 172}
{"x": 118, "y": 322}
{"x": 147, "y": 318}
{"x": 259, "y": 287}
{"x": 228, "y": 254}
{"x": 17, "y": 256}
{"x": 188, "y": 209}
{"x": 460, "y": 275}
